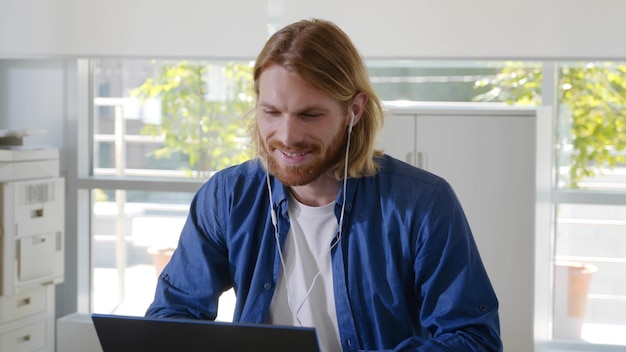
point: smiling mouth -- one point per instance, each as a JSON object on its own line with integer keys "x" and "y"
{"x": 293, "y": 154}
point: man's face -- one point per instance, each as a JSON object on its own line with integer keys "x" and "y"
{"x": 303, "y": 129}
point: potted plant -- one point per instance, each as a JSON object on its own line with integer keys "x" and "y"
{"x": 571, "y": 286}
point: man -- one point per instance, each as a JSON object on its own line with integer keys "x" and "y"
{"x": 322, "y": 229}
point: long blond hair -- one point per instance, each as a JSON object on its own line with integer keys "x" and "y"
{"x": 323, "y": 55}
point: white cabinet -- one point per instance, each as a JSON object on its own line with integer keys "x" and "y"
{"x": 32, "y": 245}
{"x": 496, "y": 159}
{"x": 32, "y": 233}
{"x": 27, "y": 320}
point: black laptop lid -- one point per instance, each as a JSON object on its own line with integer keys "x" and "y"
{"x": 119, "y": 333}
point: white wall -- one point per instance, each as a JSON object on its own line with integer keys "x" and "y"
{"x": 33, "y": 96}
{"x": 139, "y": 28}
{"x": 427, "y": 29}
{"x": 479, "y": 29}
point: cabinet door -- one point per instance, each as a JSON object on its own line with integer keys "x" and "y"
{"x": 490, "y": 162}
{"x": 397, "y": 138}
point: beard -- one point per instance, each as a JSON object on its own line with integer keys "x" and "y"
{"x": 299, "y": 175}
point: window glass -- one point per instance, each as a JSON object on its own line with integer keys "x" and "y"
{"x": 160, "y": 120}
{"x": 169, "y": 118}
{"x": 134, "y": 234}
{"x": 591, "y": 125}
{"x": 589, "y": 280}
{"x": 457, "y": 81}
{"x": 590, "y": 246}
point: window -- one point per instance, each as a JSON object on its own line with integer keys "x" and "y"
{"x": 448, "y": 81}
{"x": 592, "y": 126}
{"x": 160, "y": 128}
{"x": 590, "y": 224}
{"x": 130, "y": 246}
{"x": 590, "y": 287}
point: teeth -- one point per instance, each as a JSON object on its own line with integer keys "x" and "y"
{"x": 293, "y": 154}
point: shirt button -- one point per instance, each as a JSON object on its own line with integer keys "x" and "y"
{"x": 267, "y": 286}
{"x": 349, "y": 342}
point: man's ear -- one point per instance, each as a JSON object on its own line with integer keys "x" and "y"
{"x": 356, "y": 107}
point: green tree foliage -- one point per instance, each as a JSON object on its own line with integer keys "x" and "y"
{"x": 592, "y": 98}
{"x": 202, "y": 106}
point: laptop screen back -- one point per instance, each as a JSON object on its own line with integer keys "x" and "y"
{"x": 119, "y": 333}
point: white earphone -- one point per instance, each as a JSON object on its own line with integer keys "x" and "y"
{"x": 340, "y": 226}
{"x": 351, "y": 122}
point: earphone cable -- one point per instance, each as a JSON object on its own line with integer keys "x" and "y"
{"x": 335, "y": 242}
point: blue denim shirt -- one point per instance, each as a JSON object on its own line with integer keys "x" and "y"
{"x": 407, "y": 273}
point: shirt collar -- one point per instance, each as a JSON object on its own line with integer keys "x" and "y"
{"x": 280, "y": 195}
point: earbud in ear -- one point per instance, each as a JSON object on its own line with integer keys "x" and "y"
{"x": 351, "y": 121}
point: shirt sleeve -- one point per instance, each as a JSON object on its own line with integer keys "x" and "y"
{"x": 459, "y": 308}
{"x": 195, "y": 277}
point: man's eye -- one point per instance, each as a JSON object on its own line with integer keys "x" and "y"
{"x": 311, "y": 115}
{"x": 270, "y": 112}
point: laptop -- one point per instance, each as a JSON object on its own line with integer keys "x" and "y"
{"x": 119, "y": 333}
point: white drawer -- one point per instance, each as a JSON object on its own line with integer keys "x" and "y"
{"x": 22, "y": 305}
{"x": 25, "y": 339}
{"x": 34, "y": 206}
{"x": 37, "y": 256}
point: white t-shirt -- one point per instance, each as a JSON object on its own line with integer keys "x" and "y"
{"x": 307, "y": 255}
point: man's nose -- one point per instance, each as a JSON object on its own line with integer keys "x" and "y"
{"x": 290, "y": 130}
